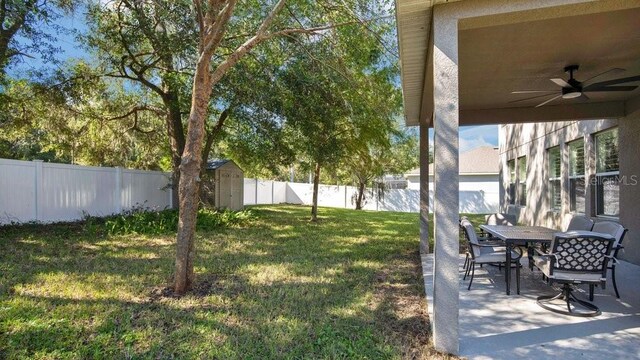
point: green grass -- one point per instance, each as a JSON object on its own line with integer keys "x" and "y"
{"x": 274, "y": 286}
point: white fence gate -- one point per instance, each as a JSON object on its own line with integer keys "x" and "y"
{"x": 47, "y": 192}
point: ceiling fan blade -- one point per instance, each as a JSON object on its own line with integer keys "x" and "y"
{"x": 615, "y": 81}
{"x": 583, "y": 98}
{"x": 609, "y": 88}
{"x": 561, "y": 82}
{"x": 590, "y": 81}
{"x": 548, "y": 101}
{"x": 532, "y": 91}
{"x": 529, "y": 98}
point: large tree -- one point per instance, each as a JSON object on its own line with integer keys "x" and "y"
{"x": 213, "y": 19}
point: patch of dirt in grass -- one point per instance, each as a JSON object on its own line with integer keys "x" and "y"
{"x": 400, "y": 307}
{"x": 205, "y": 285}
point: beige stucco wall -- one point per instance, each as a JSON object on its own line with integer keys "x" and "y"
{"x": 629, "y": 142}
{"x": 533, "y": 140}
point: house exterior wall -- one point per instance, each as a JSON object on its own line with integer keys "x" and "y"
{"x": 534, "y": 139}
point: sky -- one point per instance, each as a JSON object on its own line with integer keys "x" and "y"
{"x": 471, "y": 137}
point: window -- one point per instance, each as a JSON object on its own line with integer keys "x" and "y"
{"x": 522, "y": 181}
{"x": 577, "y": 184}
{"x": 511, "y": 164}
{"x": 607, "y": 174}
{"x": 554, "y": 178}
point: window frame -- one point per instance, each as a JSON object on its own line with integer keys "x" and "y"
{"x": 571, "y": 145}
{"x": 511, "y": 168}
{"x": 601, "y": 176}
{"x": 522, "y": 183}
{"x": 555, "y": 179}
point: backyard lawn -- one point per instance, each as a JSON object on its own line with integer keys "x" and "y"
{"x": 276, "y": 286}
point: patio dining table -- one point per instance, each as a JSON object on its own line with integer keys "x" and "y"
{"x": 518, "y": 236}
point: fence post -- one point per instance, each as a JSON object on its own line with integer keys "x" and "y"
{"x": 256, "y": 191}
{"x": 345, "y": 196}
{"x": 273, "y": 189}
{"x": 37, "y": 183}
{"x": 117, "y": 192}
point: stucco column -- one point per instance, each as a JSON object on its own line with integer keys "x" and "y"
{"x": 424, "y": 188}
{"x": 446, "y": 186}
{"x": 628, "y": 135}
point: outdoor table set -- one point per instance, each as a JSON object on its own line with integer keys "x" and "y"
{"x": 581, "y": 255}
{"x": 519, "y": 236}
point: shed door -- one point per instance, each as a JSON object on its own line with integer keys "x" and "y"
{"x": 225, "y": 189}
{"x": 236, "y": 191}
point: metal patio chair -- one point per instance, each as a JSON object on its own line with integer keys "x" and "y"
{"x": 618, "y": 232}
{"x": 576, "y": 257}
{"x": 579, "y": 223}
{"x": 486, "y": 254}
{"x": 496, "y": 243}
{"x": 498, "y": 219}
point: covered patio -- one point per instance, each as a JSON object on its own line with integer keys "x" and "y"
{"x": 498, "y": 326}
{"x": 461, "y": 62}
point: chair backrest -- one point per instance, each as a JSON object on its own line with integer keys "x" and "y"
{"x": 581, "y": 251}
{"x": 500, "y": 219}
{"x": 612, "y": 228}
{"x": 472, "y": 238}
{"x": 579, "y": 223}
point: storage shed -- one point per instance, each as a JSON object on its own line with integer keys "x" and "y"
{"x": 222, "y": 185}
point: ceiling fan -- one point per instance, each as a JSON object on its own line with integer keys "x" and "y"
{"x": 572, "y": 88}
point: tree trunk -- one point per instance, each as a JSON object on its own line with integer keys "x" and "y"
{"x": 361, "y": 188}
{"x": 175, "y": 130}
{"x": 190, "y": 177}
{"x": 316, "y": 181}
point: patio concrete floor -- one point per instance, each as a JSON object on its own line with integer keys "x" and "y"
{"x": 496, "y": 326}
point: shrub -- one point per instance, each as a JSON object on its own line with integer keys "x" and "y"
{"x": 166, "y": 221}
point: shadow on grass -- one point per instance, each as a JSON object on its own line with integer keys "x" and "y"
{"x": 281, "y": 287}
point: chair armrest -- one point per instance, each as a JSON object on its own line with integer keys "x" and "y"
{"x": 548, "y": 255}
{"x": 493, "y": 243}
{"x": 519, "y": 251}
{"x": 489, "y": 245}
{"x": 539, "y": 252}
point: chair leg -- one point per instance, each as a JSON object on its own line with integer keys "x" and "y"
{"x": 473, "y": 271}
{"x": 591, "y": 288}
{"x": 567, "y": 295}
{"x": 466, "y": 271}
{"x": 518, "y": 277}
{"x": 466, "y": 259}
{"x": 613, "y": 277}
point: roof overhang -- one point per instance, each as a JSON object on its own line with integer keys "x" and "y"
{"x": 522, "y": 50}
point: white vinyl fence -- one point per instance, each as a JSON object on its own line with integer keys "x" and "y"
{"x": 402, "y": 200}
{"x": 47, "y": 192}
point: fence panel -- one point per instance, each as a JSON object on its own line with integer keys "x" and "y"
{"x": 146, "y": 189}
{"x": 68, "y": 192}
{"x": 279, "y": 192}
{"x": 17, "y": 191}
{"x": 250, "y": 191}
{"x": 265, "y": 192}
{"x": 298, "y": 193}
{"x": 47, "y": 192}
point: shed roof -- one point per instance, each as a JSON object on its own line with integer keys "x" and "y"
{"x": 481, "y": 160}
{"x": 217, "y": 163}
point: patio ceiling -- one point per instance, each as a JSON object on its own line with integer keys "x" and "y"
{"x": 499, "y": 54}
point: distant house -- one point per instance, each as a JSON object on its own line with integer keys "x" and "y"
{"x": 223, "y": 185}
{"x": 479, "y": 180}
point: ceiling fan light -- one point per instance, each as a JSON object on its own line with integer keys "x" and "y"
{"x": 571, "y": 95}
